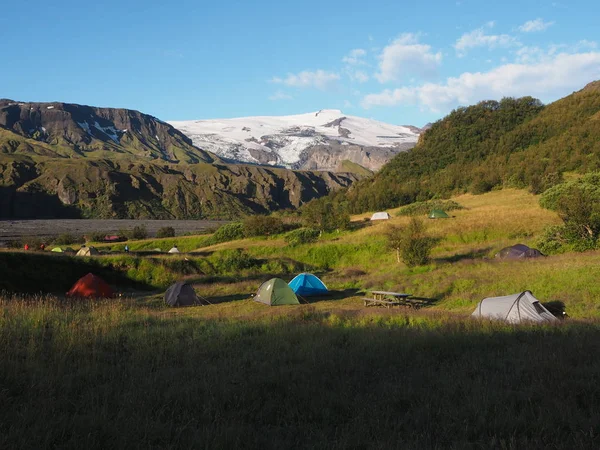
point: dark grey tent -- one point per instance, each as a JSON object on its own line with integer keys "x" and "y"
{"x": 518, "y": 251}
{"x": 181, "y": 294}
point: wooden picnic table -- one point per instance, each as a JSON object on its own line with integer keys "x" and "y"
{"x": 390, "y": 299}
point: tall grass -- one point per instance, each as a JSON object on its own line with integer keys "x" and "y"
{"x": 108, "y": 374}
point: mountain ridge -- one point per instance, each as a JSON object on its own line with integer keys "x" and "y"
{"x": 314, "y": 141}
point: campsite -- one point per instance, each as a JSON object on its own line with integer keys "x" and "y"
{"x": 254, "y": 333}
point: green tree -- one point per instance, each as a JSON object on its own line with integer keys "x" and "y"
{"x": 411, "y": 242}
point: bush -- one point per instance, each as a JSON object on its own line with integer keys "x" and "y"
{"x": 165, "y": 232}
{"x": 139, "y": 232}
{"x": 263, "y": 226}
{"x": 578, "y": 205}
{"x": 228, "y": 232}
{"x": 424, "y": 208}
{"x": 302, "y": 236}
{"x": 230, "y": 261}
{"x": 411, "y": 243}
{"x": 96, "y": 236}
{"x": 325, "y": 215}
{"x": 68, "y": 239}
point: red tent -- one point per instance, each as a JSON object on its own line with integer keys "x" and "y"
{"x": 91, "y": 286}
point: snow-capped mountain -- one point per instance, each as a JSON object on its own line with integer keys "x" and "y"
{"x": 318, "y": 141}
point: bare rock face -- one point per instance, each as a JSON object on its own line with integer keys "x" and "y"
{"x": 67, "y": 191}
{"x": 69, "y": 130}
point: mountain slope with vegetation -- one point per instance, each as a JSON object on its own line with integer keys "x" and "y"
{"x": 512, "y": 143}
{"x": 66, "y": 160}
{"x": 103, "y": 188}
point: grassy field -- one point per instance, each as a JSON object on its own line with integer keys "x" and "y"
{"x": 329, "y": 374}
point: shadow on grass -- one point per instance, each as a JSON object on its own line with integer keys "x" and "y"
{"x": 473, "y": 254}
{"x": 31, "y": 272}
{"x": 405, "y": 381}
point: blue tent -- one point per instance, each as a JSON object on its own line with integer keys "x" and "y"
{"x": 306, "y": 284}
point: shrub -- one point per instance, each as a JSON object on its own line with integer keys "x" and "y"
{"x": 577, "y": 204}
{"x": 230, "y": 261}
{"x": 96, "y": 236}
{"x": 411, "y": 243}
{"x": 325, "y": 215}
{"x": 139, "y": 232}
{"x": 423, "y": 208}
{"x": 302, "y": 236}
{"x": 68, "y": 239}
{"x": 263, "y": 226}
{"x": 165, "y": 232}
{"x": 228, "y": 232}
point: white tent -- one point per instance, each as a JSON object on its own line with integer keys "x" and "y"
{"x": 380, "y": 216}
{"x": 174, "y": 250}
{"x": 514, "y": 308}
{"x": 87, "y": 251}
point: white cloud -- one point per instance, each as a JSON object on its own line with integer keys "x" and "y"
{"x": 348, "y": 104}
{"x": 535, "y": 25}
{"x": 549, "y": 79}
{"x": 280, "y": 95}
{"x": 355, "y": 57}
{"x": 478, "y": 38}
{"x": 407, "y": 56}
{"x": 319, "y": 79}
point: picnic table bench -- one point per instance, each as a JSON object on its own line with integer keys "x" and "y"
{"x": 391, "y": 299}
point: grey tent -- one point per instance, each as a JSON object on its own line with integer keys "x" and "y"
{"x": 516, "y": 308}
{"x": 181, "y": 294}
{"x": 174, "y": 250}
{"x": 518, "y": 251}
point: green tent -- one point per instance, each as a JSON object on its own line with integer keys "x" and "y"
{"x": 438, "y": 214}
{"x": 276, "y": 292}
{"x": 63, "y": 250}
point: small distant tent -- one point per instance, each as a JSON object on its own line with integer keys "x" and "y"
{"x": 518, "y": 251}
{"x": 174, "y": 250}
{"x": 181, "y": 294}
{"x": 276, "y": 292}
{"x": 63, "y": 250}
{"x": 87, "y": 251}
{"x": 438, "y": 214}
{"x": 307, "y": 284}
{"x": 516, "y": 308}
{"x": 91, "y": 286}
{"x": 380, "y": 216}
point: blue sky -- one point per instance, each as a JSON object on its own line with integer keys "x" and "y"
{"x": 399, "y": 62}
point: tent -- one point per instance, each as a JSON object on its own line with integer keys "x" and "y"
{"x": 87, "y": 251}
{"x": 63, "y": 250}
{"x": 438, "y": 214}
{"x": 91, "y": 286}
{"x": 174, "y": 250}
{"x": 380, "y": 216}
{"x": 514, "y": 308}
{"x": 307, "y": 284}
{"x": 181, "y": 294}
{"x": 518, "y": 251}
{"x": 276, "y": 292}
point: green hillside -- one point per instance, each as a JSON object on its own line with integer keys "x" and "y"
{"x": 512, "y": 143}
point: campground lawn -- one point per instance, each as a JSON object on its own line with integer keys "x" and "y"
{"x": 328, "y": 373}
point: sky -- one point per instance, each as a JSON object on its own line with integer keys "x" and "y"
{"x": 405, "y": 63}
